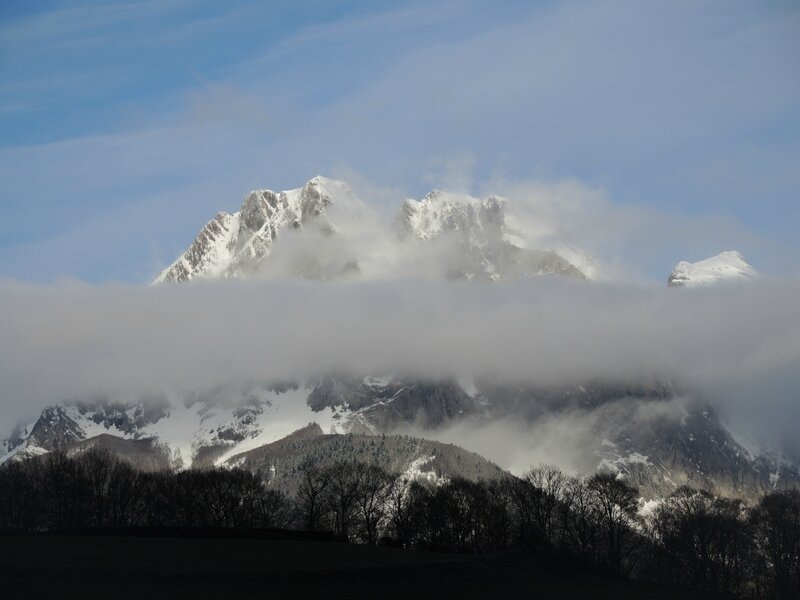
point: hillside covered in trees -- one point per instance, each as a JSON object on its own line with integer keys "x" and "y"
{"x": 693, "y": 539}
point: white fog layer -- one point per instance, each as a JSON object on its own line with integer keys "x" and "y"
{"x": 735, "y": 345}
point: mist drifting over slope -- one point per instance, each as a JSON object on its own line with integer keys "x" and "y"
{"x": 737, "y": 346}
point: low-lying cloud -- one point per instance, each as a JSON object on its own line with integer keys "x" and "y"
{"x": 735, "y": 345}
{"x": 574, "y": 438}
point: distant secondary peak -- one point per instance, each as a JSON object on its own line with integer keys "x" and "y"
{"x": 725, "y": 266}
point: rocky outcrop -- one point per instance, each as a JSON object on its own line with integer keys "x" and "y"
{"x": 484, "y": 248}
{"x": 381, "y": 405}
{"x": 233, "y": 245}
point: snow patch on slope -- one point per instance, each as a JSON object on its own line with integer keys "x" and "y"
{"x": 416, "y": 471}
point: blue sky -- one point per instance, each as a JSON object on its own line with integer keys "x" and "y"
{"x": 125, "y": 126}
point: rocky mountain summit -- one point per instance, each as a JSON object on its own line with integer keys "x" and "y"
{"x": 336, "y": 235}
{"x": 232, "y": 245}
{"x": 485, "y": 246}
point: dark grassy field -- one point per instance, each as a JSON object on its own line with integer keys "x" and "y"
{"x": 163, "y": 567}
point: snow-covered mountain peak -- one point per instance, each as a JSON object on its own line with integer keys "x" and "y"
{"x": 481, "y": 244}
{"x": 341, "y": 237}
{"x": 233, "y": 244}
{"x": 441, "y": 211}
{"x": 725, "y": 266}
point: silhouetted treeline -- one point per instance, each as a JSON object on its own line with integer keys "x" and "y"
{"x": 692, "y": 538}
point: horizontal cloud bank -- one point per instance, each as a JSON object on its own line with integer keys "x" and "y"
{"x": 736, "y": 345}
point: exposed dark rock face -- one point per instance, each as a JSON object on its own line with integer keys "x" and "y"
{"x": 128, "y": 418}
{"x": 663, "y": 451}
{"x": 55, "y": 429}
{"x": 382, "y": 406}
{"x": 60, "y": 426}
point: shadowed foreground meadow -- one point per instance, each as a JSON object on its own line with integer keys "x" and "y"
{"x": 92, "y": 566}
